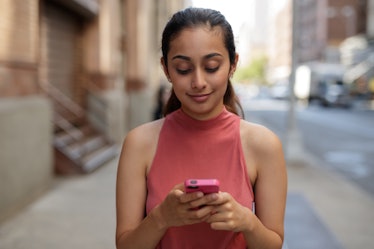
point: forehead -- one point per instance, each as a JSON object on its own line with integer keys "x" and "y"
{"x": 200, "y": 39}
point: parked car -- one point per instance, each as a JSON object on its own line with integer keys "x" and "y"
{"x": 280, "y": 90}
{"x": 334, "y": 93}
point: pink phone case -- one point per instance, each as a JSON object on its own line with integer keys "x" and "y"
{"x": 207, "y": 186}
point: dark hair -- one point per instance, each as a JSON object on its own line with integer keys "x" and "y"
{"x": 192, "y": 17}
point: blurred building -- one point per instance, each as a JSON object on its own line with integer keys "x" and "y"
{"x": 370, "y": 19}
{"x": 280, "y": 45}
{"x": 75, "y": 76}
{"x": 254, "y": 33}
{"x": 321, "y": 27}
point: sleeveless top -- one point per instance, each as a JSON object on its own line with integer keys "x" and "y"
{"x": 189, "y": 148}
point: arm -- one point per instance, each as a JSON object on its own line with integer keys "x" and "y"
{"x": 265, "y": 228}
{"x": 133, "y": 230}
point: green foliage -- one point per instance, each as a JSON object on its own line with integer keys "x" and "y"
{"x": 253, "y": 72}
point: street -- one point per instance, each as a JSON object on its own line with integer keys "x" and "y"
{"x": 341, "y": 139}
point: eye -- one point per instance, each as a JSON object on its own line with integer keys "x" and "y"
{"x": 211, "y": 70}
{"x": 183, "y": 71}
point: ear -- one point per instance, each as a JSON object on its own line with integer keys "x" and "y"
{"x": 234, "y": 65}
{"x": 165, "y": 69}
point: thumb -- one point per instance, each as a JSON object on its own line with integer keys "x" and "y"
{"x": 179, "y": 186}
{"x": 178, "y": 189}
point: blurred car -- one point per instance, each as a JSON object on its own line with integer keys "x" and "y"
{"x": 334, "y": 93}
{"x": 280, "y": 90}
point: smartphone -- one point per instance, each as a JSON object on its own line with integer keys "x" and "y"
{"x": 207, "y": 186}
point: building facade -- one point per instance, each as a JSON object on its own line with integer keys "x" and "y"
{"x": 75, "y": 76}
{"x": 321, "y": 26}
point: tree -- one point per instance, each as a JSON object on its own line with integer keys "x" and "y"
{"x": 254, "y": 71}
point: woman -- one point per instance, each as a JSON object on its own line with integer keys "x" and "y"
{"x": 201, "y": 136}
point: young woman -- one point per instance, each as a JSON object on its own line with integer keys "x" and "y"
{"x": 201, "y": 136}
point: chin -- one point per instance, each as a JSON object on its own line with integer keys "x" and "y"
{"x": 202, "y": 112}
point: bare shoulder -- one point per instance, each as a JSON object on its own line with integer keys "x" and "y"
{"x": 145, "y": 134}
{"x": 258, "y": 138}
{"x": 140, "y": 144}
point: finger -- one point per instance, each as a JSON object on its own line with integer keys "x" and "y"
{"x": 185, "y": 198}
{"x": 200, "y": 214}
{"x": 205, "y": 211}
{"x": 177, "y": 190}
{"x": 178, "y": 193}
{"x": 205, "y": 200}
{"x": 217, "y": 216}
{"x": 221, "y": 226}
{"x": 179, "y": 186}
{"x": 222, "y": 198}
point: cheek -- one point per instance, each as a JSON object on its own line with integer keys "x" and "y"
{"x": 179, "y": 87}
{"x": 219, "y": 80}
{"x": 180, "y": 82}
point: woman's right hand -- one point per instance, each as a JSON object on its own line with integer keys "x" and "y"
{"x": 180, "y": 208}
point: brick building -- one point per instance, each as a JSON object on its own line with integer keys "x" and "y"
{"x": 75, "y": 76}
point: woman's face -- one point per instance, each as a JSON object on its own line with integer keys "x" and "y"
{"x": 199, "y": 69}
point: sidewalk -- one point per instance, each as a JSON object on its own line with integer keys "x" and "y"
{"x": 77, "y": 212}
{"x": 342, "y": 207}
{"x": 323, "y": 212}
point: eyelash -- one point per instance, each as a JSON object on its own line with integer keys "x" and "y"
{"x": 209, "y": 70}
{"x": 212, "y": 70}
{"x": 183, "y": 72}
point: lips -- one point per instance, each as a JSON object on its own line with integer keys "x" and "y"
{"x": 199, "y": 97}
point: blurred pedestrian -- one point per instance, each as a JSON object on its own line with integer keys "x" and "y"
{"x": 201, "y": 136}
{"x": 163, "y": 95}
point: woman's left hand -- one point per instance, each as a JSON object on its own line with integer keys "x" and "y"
{"x": 229, "y": 215}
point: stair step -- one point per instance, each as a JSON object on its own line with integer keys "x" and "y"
{"x": 97, "y": 158}
{"x": 63, "y": 138}
{"x": 85, "y": 146}
{"x": 87, "y": 129}
{"x": 71, "y": 117}
{"x": 79, "y": 147}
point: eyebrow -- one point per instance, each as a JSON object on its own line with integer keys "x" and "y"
{"x": 186, "y": 58}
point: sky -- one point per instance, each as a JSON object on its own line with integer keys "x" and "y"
{"x": 238, "y": 12}
{"x": 242, "y": 17}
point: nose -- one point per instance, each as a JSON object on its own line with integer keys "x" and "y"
{"x": 198, "y": 81}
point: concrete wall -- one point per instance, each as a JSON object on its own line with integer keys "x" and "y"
{"x": 370, "y": 19}
{"x": 26, "y": 167}
{"x": 106, "y": 111}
